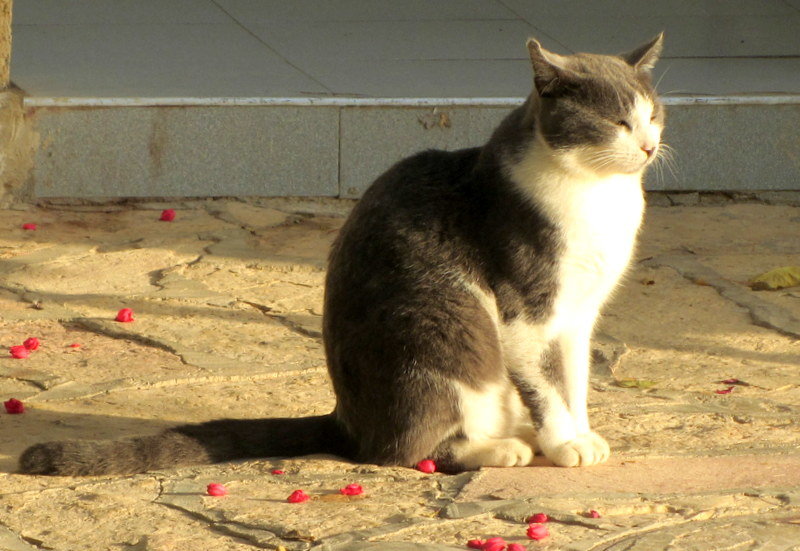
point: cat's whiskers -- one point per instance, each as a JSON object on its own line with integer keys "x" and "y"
{"x": 665, "y": 157}
{"x": 662, "y": 76}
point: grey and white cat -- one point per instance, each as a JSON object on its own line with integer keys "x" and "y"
{"x": 462, "y": 293}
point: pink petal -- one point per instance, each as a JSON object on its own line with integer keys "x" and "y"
{"x": 125, "y": 315}
{"x": 494, "y": 544}
{"x": 352, "y": 490}
{"x": 19, "y": 352}
{"x": 31, "y": 343}
{"x": 167, "y": 215}
{"x": 29, "y": 226}
{"x": 426, "y": 466}
{"x": 475, "y": 544}
{"x": 726, "y": 391}
{"x": 217, "y": 490}
{"x": 14, "y": 406}
{"x": 298, "y": 496}
{"x": 538, "y": 532}
{"x": 593, "y": 514}
{"x": 277, "y": 471}
{"x": 539, "y": 518}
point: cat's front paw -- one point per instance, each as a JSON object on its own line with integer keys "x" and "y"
{"x": 584, "y": 450}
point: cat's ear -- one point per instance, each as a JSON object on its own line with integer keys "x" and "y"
{"x": 644, "y": 57}
{"x": 550, "y": 73}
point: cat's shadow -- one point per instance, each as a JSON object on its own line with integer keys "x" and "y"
{"x": 37, "y": 424}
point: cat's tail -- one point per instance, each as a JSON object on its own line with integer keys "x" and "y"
{"x": 204, "y": 443}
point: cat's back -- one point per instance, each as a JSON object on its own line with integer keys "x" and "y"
{"x": 412, "y": 205}
{"x": 420, "y": 180}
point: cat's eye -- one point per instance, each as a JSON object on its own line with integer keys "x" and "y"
{"x": 625, "y": 124}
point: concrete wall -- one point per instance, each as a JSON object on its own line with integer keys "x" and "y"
{"x": 330, "y": 150}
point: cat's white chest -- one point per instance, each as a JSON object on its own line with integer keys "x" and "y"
{"x": 598, "y": 221}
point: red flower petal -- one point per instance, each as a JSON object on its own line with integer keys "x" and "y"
{"x": 352, "y": 490}
{"x": 75, "y": 345}
{"x": 515, "y": 547}
{"x": 125, "y": 315}
{"x": 19, "y": 352}
{"x": 538, "y": 532}
{"x": 31, "y": 343}
{"x": 593, "y": 514}
{"x": 494, "y": 544}
{"x": 426, "y": 466}
{"x": 726, "y": 391}
{"x": 298, "y": 496}
{"x": 216, "y": 489}
{"x": 29, "y": 226}
{"x": 475, "y": 544}
{"x": 167, "y": 215}
{"x": 14, "y": 406}
{"x": 731, "y": 382}
{"x": 277, "y": 471}
{"x": 539, "y": 518}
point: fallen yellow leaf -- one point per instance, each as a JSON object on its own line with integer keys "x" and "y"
{"x": 787, "y": 276}
{"x": 636, "y": 383}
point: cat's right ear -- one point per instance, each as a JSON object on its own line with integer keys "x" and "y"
{"x": 550, "y": 74}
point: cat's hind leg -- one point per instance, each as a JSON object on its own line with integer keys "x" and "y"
{"x": 490, "y": 418}
{"x": 463, "y": 454}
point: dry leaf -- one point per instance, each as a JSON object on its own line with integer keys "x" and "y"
{"x": 787, "y": 276}
{"x": 636, "y": 383}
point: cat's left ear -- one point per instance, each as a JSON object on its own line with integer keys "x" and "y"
{"x": 645, "y": 57}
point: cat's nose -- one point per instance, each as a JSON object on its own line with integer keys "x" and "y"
{"x": 649, "y": 150}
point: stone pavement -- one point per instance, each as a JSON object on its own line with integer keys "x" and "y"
{"x": 227, "y": 305}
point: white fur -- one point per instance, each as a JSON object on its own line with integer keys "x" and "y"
{"x": 598, "y": 216}
{"x": 492, "y": 421}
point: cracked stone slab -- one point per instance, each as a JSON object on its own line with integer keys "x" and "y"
{"x": 761, "y": 532}
{"x": 10, "y": 541}
{"x": 105, "y": 514}
{"x": 247, "y": 215}
{"x": 256, "y": 507}
{"x": 651, "y": 475}
{"x": 763, "y": 313}
{"x": 227, "y": 326}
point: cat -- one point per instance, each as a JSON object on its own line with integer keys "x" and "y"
{"x": 461, "y": 293}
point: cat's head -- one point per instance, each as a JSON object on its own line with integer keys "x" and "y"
{"x": 598, "y": 111}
